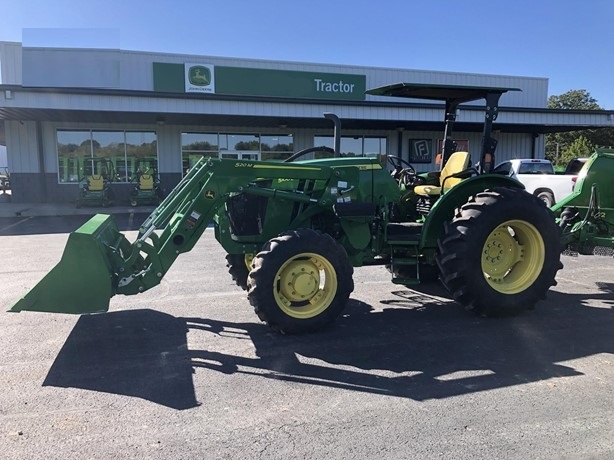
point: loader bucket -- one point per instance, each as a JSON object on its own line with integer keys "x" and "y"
{"x": 82, "y": 282}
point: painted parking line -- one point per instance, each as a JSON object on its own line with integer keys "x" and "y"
{"x": 15, "y": 224}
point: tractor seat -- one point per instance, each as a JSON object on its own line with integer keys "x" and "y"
{"x": 95, "y": 183}
{"x": 146, "y": 182}
{"x": 458, "y": 162}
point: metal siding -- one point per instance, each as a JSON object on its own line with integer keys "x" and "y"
{"x": 50, "y": 148}
{"x": 169, "y": 148}
{"x": 21, "y": 146}
{"x": 512, "y": 146}
{"x": 136, "y": 74}
{"x": 25, "y": 99}
{"x": 10, "y": 63}
{"x": 71, "y": 68}
{"x": 133, "y": 70}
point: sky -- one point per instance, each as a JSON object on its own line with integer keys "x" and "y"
{"x": 571, "y": 42}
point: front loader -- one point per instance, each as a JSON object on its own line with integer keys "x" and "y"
{"x": 294, "y": 231}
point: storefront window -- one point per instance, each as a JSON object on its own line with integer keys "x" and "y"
{"x": 141, "y": 155}
{"x": 234, "y": 146}
{"x": 277, "y": 147}
{"x": 114, "y": 154}
{"x": 109, "y": 148}
{"x": 240, "y": 146}
{"x": 352, "y": 146}
{"x": 73, "y": 148}
{"x": 196, "y": 145}
{"x": 241, "y": 141}
{"x": 373, "y": 146}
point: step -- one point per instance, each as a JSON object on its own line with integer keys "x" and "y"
{"x": 403, "y": 242}
{"x": 403, "y": 261}
{"x": 406, "y": 281}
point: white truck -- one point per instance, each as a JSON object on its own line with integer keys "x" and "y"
{"x": 539, "y": 178}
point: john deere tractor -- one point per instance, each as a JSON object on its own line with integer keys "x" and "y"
{"x": 295, "y": 231}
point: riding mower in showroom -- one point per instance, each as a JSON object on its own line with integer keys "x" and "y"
{"x": 147, "y": 189}
{"x": 95, "y": 186}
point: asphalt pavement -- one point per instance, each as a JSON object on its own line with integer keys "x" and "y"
{"x": 187, "y": 371}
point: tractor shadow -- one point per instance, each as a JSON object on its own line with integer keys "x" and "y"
{"x": 139, "y": 353}
{"x": 413, "y": 345}
{"x": 423, "y": 349}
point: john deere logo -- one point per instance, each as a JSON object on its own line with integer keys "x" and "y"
{"x": 199, "y": 75}
{"x": 210, "y": 194}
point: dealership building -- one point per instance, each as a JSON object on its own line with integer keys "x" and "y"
{"x": 61, "y": 106}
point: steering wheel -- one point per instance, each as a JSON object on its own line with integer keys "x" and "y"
{"x": 403, "y": 172}
{"x": 303, "y": 152}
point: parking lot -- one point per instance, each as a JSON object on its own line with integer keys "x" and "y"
{"x": 187, "y": 371}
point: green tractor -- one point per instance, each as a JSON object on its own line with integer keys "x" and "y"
{"x": 295, "y": 231}
{"x": 95, "y": 184}
{"x": 147, "y": 188}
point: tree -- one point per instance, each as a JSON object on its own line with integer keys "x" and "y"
{"x": 580, "y": 147}
{"x": 576, "y": 99}
{"x": 559, "y": 145}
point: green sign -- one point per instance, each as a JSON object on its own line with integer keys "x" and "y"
{"x": 290, "y": 84}
{"x": 239, "y": 81}
{"x": 168, "y": 78}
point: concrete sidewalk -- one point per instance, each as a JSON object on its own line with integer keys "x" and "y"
{"x": 10, "y": 209}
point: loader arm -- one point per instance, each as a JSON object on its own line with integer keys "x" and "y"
{"x": 185, "y": 214}
{"x": 99, "y": 261}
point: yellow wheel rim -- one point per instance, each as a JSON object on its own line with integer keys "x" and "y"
{"x": 305, "y": 285}
{"x": 248, "y": 261}
{"x": 513, "y": 256}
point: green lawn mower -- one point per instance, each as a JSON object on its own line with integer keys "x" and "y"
{"x": 95, "y": 186}
{"x": 147, "y": 189}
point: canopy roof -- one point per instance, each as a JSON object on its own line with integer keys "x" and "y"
{"x": 458, "y": 94}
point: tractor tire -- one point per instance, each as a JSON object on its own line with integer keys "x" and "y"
{"x": 547, "y": 197}
{"x": 300, "y": 281}
{"x": 239, "y": 266}
{"x": 501, "y": 252}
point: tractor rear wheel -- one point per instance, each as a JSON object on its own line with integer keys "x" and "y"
{"x": 239, "y": 266}
{"x": 300, "y": 281}
{"x": 501, "y": 252}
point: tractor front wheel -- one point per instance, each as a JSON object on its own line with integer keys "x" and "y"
{"x": 300, "y": 281}
{"x": 501, "y": 252}
{"x": 239, "y": 266}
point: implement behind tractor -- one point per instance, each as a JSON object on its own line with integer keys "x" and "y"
{"x": 587, "y": 215}
{"x": 295, "y": 230}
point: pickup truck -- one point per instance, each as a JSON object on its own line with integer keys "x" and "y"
{"x": 539, "y": 178}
